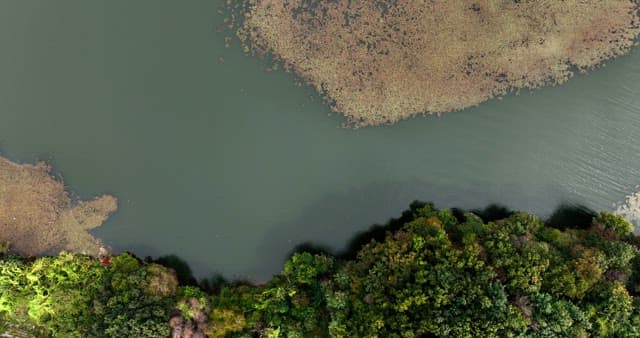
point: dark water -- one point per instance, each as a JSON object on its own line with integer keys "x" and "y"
{"x": 229, "y": 166}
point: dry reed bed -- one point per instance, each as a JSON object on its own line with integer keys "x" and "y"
{"x": 38, "y": 217}
{"x": 382, "y": 61}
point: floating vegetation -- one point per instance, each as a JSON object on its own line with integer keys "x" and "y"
{"x": 378, "y": 62}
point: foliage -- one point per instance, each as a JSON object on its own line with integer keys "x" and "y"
{"x": 443, "y": 273}
{"x": 451, "y": 274}
{"x": 78, "y": 296}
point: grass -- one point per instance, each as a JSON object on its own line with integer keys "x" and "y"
{"x": 378, "y": 62}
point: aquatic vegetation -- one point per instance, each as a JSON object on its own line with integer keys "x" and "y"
{"x": 382, "y": 61}
{"x": 37, "y": 215}
{"x": 443, "y": 273}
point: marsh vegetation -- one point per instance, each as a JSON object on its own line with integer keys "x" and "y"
{"x": 379, "y": 62}
{"x": 38, "y": 216}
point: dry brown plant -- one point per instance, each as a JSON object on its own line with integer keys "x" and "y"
{"x": 37, "y": 215}
{"x": 380, "y": 61}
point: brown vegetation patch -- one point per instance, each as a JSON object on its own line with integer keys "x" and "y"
{"x": 38, "y": 217}
{"x": 381, "y": 61}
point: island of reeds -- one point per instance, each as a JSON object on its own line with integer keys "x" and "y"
{"x": 378, "y": 62}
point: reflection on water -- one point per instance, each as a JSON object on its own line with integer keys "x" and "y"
{"x": 229, "y": 166}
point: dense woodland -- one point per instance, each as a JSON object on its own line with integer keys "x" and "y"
{"x": 431, "y": 273}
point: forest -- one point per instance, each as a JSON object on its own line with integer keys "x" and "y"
{"x": 430, "y": 273}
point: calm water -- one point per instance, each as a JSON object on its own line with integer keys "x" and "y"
{"x": 229, "y": 166}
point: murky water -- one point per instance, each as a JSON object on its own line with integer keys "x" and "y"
{"x": 229, "y": 166}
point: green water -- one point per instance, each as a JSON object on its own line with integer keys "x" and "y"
{"x": 229, "y": 166}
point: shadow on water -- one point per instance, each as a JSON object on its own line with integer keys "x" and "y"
{"x": 337, "y": 224}
{"x": 329, "y": 224}
{"x": 565, "y": 216}
{"x": 180, "y": 266}
{"x": 211, "y": 284}
{"x": 573, "y": 216}
{"x": 184, "y": 270}
{"x": 493, "y": 212}
{"x": 315, "y": 249}
{"x": 376, "y": 232}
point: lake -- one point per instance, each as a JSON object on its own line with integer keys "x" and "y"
{"x": 230, "y": 166}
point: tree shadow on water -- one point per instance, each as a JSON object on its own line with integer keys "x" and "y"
{"x": 180, "y": 266}
{"x": 571, "y": 216}
{"x": 493, "y": 212}
{"x": 337, "y": 225}
{"x": 565, "y": 216}
{"x": 330, "y": 222}
{"x": 212, "y": 284}
{"x": 378, "y": 232}
{"x": 312, "y": 248}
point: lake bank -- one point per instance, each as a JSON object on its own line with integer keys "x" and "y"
{"x": 238, "y": 165}
{"x": 436, "y": 272}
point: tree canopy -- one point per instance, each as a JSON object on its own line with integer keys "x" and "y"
{"x": 443, "y": 273}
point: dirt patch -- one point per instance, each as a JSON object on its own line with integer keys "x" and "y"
{"x": 38, "y": 217}
{"x": 385, "y": 60}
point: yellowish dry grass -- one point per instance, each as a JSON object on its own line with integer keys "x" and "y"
{"x": 381, "y": 61}
{"x": 38, "y": 217}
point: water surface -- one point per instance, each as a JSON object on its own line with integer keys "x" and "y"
{"x": 229, "y": 166}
